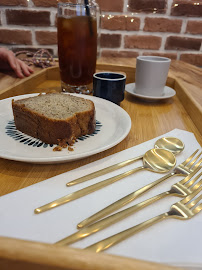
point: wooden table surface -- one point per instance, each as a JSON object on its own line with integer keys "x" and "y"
{"x": 149, "y": 120}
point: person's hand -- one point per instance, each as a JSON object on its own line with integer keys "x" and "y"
{"x": 9, "y": 61}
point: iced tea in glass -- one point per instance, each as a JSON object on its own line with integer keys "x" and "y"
{"x": 77, "y": 45}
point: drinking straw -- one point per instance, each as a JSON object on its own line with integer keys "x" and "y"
{"x": 87, "y": 7}
{"x": 88, "y": 14}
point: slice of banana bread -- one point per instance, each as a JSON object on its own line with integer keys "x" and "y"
{"x": 54, "y": 117}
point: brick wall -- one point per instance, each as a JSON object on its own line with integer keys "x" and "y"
{"x": 130, "y": 28}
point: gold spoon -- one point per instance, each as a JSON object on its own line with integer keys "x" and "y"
{"x": 155, "y": 160}
{"x": 172, "y": 144}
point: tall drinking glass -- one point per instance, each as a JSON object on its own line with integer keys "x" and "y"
{"x": 77, "y": 26}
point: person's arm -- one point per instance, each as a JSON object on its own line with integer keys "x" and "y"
{"x": 9, "y": 61}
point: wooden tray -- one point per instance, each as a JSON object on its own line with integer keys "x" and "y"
{"x": 191, "y": 99}
{"x": 149, "y": 120}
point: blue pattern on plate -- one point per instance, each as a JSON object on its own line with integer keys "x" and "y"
{"x": 31, "y": 141}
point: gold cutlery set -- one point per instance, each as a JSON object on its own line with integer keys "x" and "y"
{"x": 160, "y": 159}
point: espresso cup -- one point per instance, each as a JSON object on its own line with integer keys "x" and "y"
{"x": 151, "y": 75}
{"x": 109, "y": 85}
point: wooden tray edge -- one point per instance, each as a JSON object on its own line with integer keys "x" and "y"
{"x": 20, "y": 87}
{"x": 192, "y": 108}
{"x": 18, "y": 254}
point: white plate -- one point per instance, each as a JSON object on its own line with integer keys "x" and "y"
{"x": 112, "y": 126}
{"x": 168, "y": 93}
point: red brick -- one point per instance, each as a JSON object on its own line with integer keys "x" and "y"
{"x": 113, "y": 22}
{"x": 186, "y": 8}
{"x": 28, "y": 17}
{"x": 46, "y": 37}
{"x": 114, "y": 54}
{"x": 110, "y": 41}
{"x": 194, "y": 27}
{"x": 151, "y": 6}
{"x": 13, "y": 3}
{"x": 132, "y": 23}
{"x": 142, "y": 42}
{"x": 162, "y": 25}
{"x": 45, "y": 3}
{"x": 182, "y": 43}
{"x": 169, "y": 55}
{"x": 120, "y": 23}
{"x": 15, "y": 37}
{"x": 108, "y": 5}
{"x": 194, "y": 59}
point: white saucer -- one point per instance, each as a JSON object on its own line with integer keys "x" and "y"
{"x": 168, "y": 93}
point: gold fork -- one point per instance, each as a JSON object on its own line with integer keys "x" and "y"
{"x": 182, "y": 188}
{"x": 185, "y": 168}
{"x": 184, "y": 209}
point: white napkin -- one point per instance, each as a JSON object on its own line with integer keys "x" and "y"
{"x": 165, "y": 242}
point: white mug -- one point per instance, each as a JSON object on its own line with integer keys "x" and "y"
{"x": 151, "y": 74}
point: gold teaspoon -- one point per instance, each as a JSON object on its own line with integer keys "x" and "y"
{"x": 172, "y": 144}
{"x": 155, "y": 160}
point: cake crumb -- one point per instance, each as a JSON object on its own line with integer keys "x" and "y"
{"x": 57, "y": 148}
{"x": 63, "y": 143}
{"x": 64, "y": 146}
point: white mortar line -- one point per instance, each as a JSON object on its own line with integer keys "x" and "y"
{"x": 143, "y": 33}
{"x": 125, "y": 5}
{"x": 184, "y": 26}
{"x": 3, "y": 17}
{"x": 52, "y": 18}
{"x": 169, "y": 6}
{"x": 30, "y": 4}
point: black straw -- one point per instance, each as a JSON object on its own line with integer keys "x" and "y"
{"x": 87, "y": 7}
{"x": 88, "y": 14}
